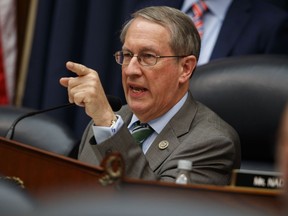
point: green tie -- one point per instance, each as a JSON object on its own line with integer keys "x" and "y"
{"x": 141, "y": 131}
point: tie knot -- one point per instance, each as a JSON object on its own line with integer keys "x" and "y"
{"x": 141, "y": 131}
{"x": 139, "y": 124}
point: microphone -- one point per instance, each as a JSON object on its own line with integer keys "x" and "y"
{"x": 115, "y": 103}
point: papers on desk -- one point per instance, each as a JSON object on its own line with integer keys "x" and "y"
{"x": 257, "y": 179}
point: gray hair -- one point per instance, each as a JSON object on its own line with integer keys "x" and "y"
{"x": 185, "y": 39}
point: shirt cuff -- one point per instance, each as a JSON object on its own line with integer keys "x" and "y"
{"x": 103, "y": 133}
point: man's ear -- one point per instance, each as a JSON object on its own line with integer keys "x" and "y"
{"x": 188, "y": 65}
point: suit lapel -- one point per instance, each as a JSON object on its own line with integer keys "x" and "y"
{"x": 171, "y": 133}
{"x": 236, "y": 18}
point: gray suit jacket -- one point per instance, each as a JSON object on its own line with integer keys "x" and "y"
{"x": 195, "y": 133}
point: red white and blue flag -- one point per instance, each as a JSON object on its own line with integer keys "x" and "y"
{"x": 8, "y": 50}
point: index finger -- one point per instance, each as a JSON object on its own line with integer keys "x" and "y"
{"x": 79, "y": 69}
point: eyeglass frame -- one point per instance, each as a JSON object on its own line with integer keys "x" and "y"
{"x": 140, "y": 58}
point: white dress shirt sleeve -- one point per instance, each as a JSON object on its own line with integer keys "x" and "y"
{"x": 103, "y": 133}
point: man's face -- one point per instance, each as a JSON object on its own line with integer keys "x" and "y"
{"x": 151, "y": 90}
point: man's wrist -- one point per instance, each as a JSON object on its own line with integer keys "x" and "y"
{"x": 102, "y": 133}
{"x": 113, "y": 122}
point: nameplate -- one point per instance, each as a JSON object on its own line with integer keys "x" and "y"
{"x": 257, "y": 179}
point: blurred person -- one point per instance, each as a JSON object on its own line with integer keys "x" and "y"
{"x": 159, "y": 54}
{"x": 282, "y": 146}
{"x": 236, "y": 27}
{"x": 282, "y": 156}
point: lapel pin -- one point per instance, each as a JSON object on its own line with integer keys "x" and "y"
{"x": 163, "y": 144}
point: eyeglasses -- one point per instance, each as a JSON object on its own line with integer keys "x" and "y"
{"x": 144, "y": 59}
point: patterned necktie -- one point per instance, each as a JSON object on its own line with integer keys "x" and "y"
{"x": 198, "y": 9}
{"x": 141, "y": 131}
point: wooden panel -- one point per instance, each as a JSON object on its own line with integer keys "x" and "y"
{"x": 42, "y": 171}
{"x": 262, "y": 202}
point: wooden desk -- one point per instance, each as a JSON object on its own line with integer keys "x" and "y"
{"x": 267, "y": 202}
{"x": 42, "y": 171}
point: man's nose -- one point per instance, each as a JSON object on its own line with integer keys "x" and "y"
{"x": 133, "y": 67}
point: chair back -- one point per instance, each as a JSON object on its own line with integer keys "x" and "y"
{"x": 42, "y": 130}
{"x": 250, "y": 93}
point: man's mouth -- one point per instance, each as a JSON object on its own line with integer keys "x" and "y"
{"x": 137, "y": 89}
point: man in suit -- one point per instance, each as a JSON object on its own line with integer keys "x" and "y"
{"x": 159, "y": 54}
{"x": 236, "y": 27}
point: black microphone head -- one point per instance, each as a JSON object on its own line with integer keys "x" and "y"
{"x": 115, "y": 102}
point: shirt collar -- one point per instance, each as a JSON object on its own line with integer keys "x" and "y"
{"x": 159, "y": 123}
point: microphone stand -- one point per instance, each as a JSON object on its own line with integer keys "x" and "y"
{"x": 114, "y": 102}
{"x": 10, "y": 133}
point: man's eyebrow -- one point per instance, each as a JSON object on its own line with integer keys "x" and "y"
{"x": 150, "y": 48}
{"x": 125, "y": 49}
{"x": 142, "y": 49}
{"x": 147, "y": 49}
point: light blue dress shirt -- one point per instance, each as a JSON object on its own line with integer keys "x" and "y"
{"x": 212, "y": 23}
{"x": 103, "y": 133}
